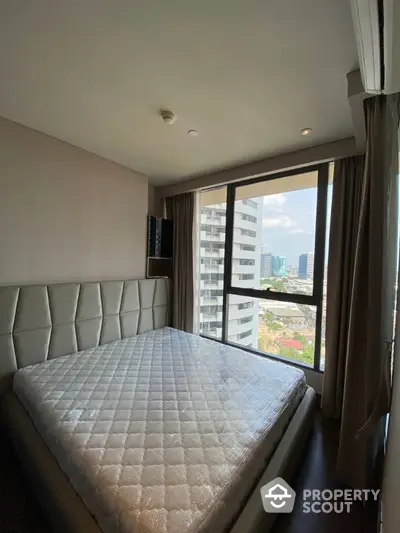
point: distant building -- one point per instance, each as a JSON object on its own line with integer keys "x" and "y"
{"x": 306, "y": 266}
{"x": 279, "y": 265}
{"x": 292, "y": 317}
{"x": 303, "y": 266}
{"x": 243, "y": 319}
{"x": 266, "y": 266}
{"x": 290, "y": 343}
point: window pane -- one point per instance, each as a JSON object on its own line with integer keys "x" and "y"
{"x": 279, "y": 328}
{"x": 274, "y": 232}
{"x": 211, "y": 261}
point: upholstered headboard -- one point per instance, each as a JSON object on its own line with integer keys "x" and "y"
{"x": 39, "y": 322}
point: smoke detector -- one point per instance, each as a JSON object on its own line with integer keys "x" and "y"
{"x": 168, "y": 117}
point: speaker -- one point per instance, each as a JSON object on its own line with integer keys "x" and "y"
{"x": 159, "y": 237}
{"x": 166, "y": 238}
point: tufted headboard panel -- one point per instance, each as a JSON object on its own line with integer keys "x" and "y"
{"x": 39, "y": 322}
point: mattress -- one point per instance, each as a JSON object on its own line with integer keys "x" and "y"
{"x": 164, "y": 431}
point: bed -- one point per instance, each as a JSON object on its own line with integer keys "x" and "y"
{"x": 126, "y": 425}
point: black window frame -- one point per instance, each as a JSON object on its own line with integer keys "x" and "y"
{"x": 316, "y": 298}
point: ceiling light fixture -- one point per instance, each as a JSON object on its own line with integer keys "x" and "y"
{"x": 306, "y": 131}
{"x": 168, "y": 117}
{"x": 193, "y": 133}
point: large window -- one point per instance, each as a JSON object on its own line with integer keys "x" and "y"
{"x": 263, "y": 286}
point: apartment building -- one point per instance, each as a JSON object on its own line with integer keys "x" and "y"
{"x": 306, "y": 265}
{"x": 266, "y": 265}
{"x": 243, "y": 312}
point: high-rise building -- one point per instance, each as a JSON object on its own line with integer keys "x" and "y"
{"x": 306, "y": 265}
{"x": 279, "y": 265}
{"x": 266, "y": 266}
{"x": 310, "y": 265}
{"x": 246, "y": 252}
{"x": 303, "y": 266}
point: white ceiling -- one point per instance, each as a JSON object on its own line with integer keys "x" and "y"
{"x": 247, "y": 74}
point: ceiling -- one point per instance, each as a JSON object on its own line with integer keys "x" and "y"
{"x": 247, "y": 74}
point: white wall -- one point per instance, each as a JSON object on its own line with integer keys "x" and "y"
{"x": 66, "y": 214}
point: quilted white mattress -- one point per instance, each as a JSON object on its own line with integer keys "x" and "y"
{"x": 164, "y": 431}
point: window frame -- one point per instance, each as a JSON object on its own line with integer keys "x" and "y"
{"x": 314, "y": 299}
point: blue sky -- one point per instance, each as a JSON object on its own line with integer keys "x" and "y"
{"x": 289, "y": 223}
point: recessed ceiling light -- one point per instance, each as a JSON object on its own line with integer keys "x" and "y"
{"x": 168, "y": 117}
{"x": 306, "y": 131}
{"x": 193, "y": 133}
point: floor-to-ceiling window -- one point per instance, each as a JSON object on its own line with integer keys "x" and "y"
{"x": 262, "y": 254}
{"x": 243, "y": 316}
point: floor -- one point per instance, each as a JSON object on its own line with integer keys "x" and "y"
{"x": 318, "y": 472}
{"x": 18, "y": 514}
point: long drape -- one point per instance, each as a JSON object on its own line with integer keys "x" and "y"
{"x": 346, "y": 205}
{"x": 361, "y": 281}
{"x": 180, "y": 209}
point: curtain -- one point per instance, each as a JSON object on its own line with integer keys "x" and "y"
{"x": 180, "y": 209}
{"x": 197, "y": 263}
{"x": 360, "y": 296}
{"x": 345, "y": 214}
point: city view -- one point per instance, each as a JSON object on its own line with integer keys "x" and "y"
{"x": 266, "y": 255}
{"x": 288, "y": 329}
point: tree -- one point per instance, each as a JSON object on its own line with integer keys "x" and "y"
{"x": 289, "y": 353}
{"x": 307, "y": 354}
{"x": 267, "y": 316}
{"x": 274, "y": 326}
{"x": 299, "y": 337}
{"x": 278, "y": 285}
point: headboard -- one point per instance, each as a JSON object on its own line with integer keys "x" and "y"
{"x": 39, "y": 322}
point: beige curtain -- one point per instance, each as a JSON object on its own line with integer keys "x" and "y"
{"x": 180, "y": 209}
{"x": 361, "y": 293}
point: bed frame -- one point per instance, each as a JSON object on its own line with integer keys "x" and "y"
{"x": 41, "y": 322}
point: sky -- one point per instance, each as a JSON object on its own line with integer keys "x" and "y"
{"x": 289, "y": 223}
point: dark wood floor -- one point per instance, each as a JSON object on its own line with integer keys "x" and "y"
{"x": 19, "y": 514}
{"x": 318, "y": 472}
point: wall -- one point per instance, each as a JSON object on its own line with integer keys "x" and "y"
{"x": 156, "y": 204}
{"x": 66, "y": 214}
{"x": 308, "y": 156}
